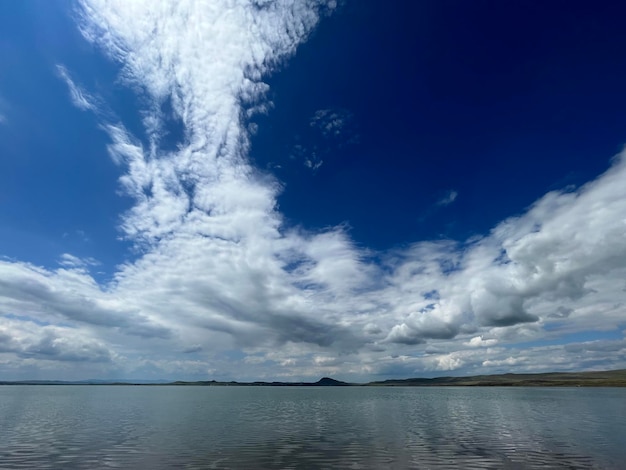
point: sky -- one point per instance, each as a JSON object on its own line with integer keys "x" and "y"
{"x": 291, "y": 189}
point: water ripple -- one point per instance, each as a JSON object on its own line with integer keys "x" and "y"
{"x": 357, "y": 428}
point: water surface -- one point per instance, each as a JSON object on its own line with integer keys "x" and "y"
{"x": 157, "y": 427}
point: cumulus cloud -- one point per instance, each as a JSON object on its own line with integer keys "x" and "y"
{"x": 69, "y": 295}
{"x": 479, "y": 341}
{"x": 530, "y": 267}
{"x": 30, "y": 340}
{"x": 218, "y": 269}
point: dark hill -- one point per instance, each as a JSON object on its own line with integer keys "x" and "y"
{"x": 328, "y": 382}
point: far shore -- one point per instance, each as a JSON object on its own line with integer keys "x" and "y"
{"x": 611, "y": 378}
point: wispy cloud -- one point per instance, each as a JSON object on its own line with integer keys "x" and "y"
{"x": 448, "y": 198}
{"x": 219, "y": 269}
{"x": 80, "y": 98}
{"x": 3, "y": 110}
{"x": 70, "y": 261}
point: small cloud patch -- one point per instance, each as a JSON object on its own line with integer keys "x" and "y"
{"x": 328, "y": 131}
{"x": 448, "y": 198}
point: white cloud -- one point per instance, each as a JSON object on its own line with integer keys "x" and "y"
{"x": 448, "y": 199}
{"x": 219, "y": 270}
{"x": 29, "y": 340}
{"x": 80, "y": 98}
{"x": 70, "y": 296}
{"x": 73, "y": 262}
{"x": 331, "y": 122}
{"x": 562, "y": 253}
{"x": 479, "y": 341}
{"x": 313, "y": 164}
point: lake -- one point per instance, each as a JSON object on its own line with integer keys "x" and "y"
{"x": 193, "y": 427}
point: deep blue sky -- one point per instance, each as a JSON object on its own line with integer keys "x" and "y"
{"x": 465, "y": 96}
{"x": 57, "y": 183}
{"x": 425, "y": 191}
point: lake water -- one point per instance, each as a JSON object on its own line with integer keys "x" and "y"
{"x": 158, "y": 427}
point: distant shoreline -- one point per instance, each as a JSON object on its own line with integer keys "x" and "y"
{"x": 612, "y": 378}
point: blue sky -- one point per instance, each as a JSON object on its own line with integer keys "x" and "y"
{"x": 285, "y": 190}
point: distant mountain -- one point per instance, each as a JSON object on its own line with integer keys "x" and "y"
{"x": 323, "y": 382}
{"x": 328, "y": 382}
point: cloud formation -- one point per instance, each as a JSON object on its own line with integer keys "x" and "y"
{"x": 448, "y": 199}
{"x": 331, "y": 122}
{"x": 79, "y": 97}
{"x": 329, "y": 131}
{"x": 219, "y": 270}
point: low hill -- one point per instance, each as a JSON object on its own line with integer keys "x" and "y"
{"x": 612, "y": 378}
